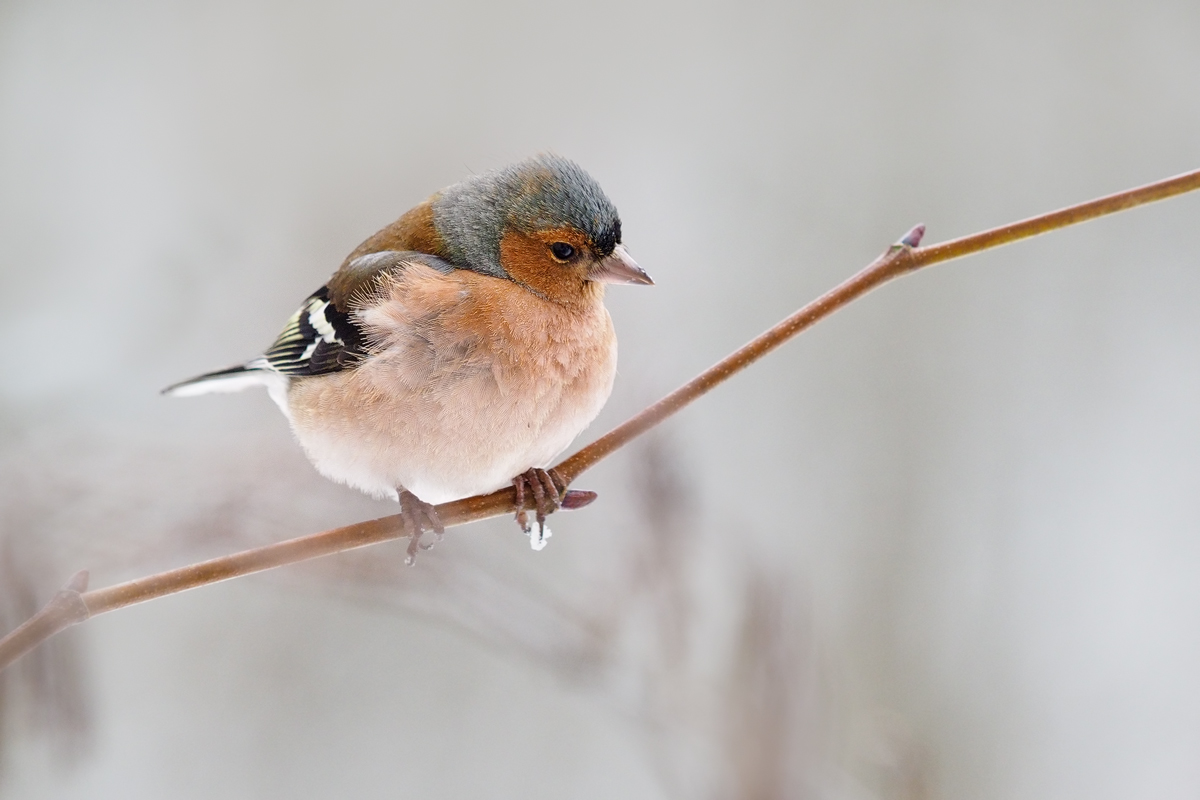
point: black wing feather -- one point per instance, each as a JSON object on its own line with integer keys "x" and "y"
{"x": 321, "y": 337}
{"x": 318, "y": 339}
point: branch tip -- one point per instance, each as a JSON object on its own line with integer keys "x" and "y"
{"x": 68, "y": 604}
{"x": 577, "y": 498}
{"x": 78, "y": 582}
{"x": 914, "y": 236}
{"x": 65, "y": 609}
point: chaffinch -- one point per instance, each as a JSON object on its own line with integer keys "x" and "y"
{"x": 462, "y": 345}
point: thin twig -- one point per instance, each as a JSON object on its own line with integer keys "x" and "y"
{"x": 903, "y": 257}
{"x": 66, "y": 608}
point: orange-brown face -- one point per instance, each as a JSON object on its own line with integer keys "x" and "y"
{"x": 553, "y": 263}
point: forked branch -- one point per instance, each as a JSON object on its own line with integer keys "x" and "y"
{"x": 73, "y": 604}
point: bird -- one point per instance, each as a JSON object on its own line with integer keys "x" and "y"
{"x": 458, "y": 350}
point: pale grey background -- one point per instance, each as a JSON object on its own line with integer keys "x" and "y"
{"x": 968, "y": 504}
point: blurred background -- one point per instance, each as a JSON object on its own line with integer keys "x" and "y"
{"x": 944, "y": 545}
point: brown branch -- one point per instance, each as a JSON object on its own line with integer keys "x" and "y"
{"x": 73, "y": 605}
{"x": 66, "y": 608}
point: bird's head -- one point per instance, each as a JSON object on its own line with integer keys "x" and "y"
{"x": 543, "y": 223}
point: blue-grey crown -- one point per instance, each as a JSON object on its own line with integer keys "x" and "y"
{"x": 546, "y": 191}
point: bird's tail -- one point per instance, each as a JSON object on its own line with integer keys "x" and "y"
{"x": 233, "y": 379}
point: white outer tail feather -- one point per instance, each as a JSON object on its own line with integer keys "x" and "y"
{"x": 221, "y": 383}
{"x": 218, "y": 382}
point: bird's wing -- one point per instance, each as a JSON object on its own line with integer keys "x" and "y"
{"x": 324, "y": 335}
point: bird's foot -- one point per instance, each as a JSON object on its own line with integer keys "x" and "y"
{"x": 549, "y": 490}
{"x": 419, "y": 517}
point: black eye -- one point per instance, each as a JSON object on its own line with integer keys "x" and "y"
{"x": 562, "y": 251}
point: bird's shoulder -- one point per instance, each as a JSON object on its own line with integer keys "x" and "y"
{"x": 414, "y": 233}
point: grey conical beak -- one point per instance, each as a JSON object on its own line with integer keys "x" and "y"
{"x": 619, "y": 267}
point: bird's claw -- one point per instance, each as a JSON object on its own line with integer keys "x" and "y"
{"x": 419, "y": 517}
{"x": 548, "y": 489}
